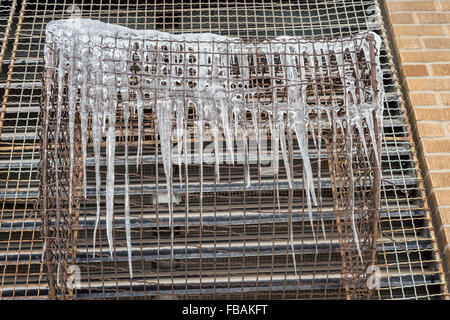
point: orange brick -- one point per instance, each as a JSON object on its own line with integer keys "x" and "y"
{"x": 445, "y": 4}
{"x": 437, "y": 162}
{"x": 444, "y": 238}
{"x": 435, "y": 146}
{"x": 441, "y": 217}
{"x": 420, "y": 84}
{"x": 446, "y": 258}
{"x": 418, "y": 30}
{"x": 400, "y": 18}
{"x": 415, "y": 70}
{"x": 445, "y": 98}
{"x": 441, "y": 69}
{"x": 408, "y": 43}
{"x": 433, "y": 17}
{"x": 425, "y": 56}
{"x": 422, "y": 99}
{"x": 437, "y": 43}
{"x": 440, "y": 197}
{"x": 430, "y": 129}
{"x": 435, "y": 114}
{"x": 411, "y": 6}
{"x": 438, "y": 179}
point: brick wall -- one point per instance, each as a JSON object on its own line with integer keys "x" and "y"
{"x": 421, "y": 34}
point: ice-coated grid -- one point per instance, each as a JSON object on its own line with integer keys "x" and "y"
{"x": 317, "y": 91}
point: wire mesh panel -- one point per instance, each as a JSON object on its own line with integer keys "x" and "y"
{"x": 146, "y": 93}
{"x": 406, "y": 250}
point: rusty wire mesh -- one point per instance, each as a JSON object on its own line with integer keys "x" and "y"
{"x": 228, "y": 229}
{"x": 406, "y": 252}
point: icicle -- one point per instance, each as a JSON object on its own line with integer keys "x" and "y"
{"x": 225, "y": 117}
{"x": 227, "y": 108}
{"x": 126, "y": 119}
{"x": 215, "y": 131}
{"x": 340, "y": 64}
{"x": 140, "y": 114}
{"x": 313, "y": 135}
{"x": 72, "y": 110}
{"x": 200, "y": 122}
{"x": 60, "y": 105}
{"x": 179, "y": 119}
{"x": 104, "y": 117}
{"x": 256, "y": 129}
{"x": 370, "y": 125}
{"x": 84, "y": 125}
{"x": 246, "y": 162}
{"x": 186, "y": 164}
{"x": 302, "y": 140}
{"x": 275, "y": 157}
{"x": 236, "y": 122}
{"x": 275, "y": 146}
{"x": 164, "y": 124}
{"x": 358, "y": 79}
{"x": 58, "y": 273}
{"x": 110, "y": 154}
{"x": 96, "y": 141}
{"x": 287, "y": 165}
{"x": 319, "y": 163}
{"x": 360, "y": 129}
{"x": 301, "y": 132}
{"x": 288, "y": 63}
{"x": 318, "y": 143}
{"x": 202, "y": 85}
{"x": 352, "y": 192}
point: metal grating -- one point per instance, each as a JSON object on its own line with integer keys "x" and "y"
{"x": 407, "y": 254}
{"x": 223, "y": 85}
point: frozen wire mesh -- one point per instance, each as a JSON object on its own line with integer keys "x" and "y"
{"x": 407, "y": 254}
{"x": 147, "y": 93}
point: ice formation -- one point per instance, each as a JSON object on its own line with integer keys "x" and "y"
{"x": 98, "y": 61}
